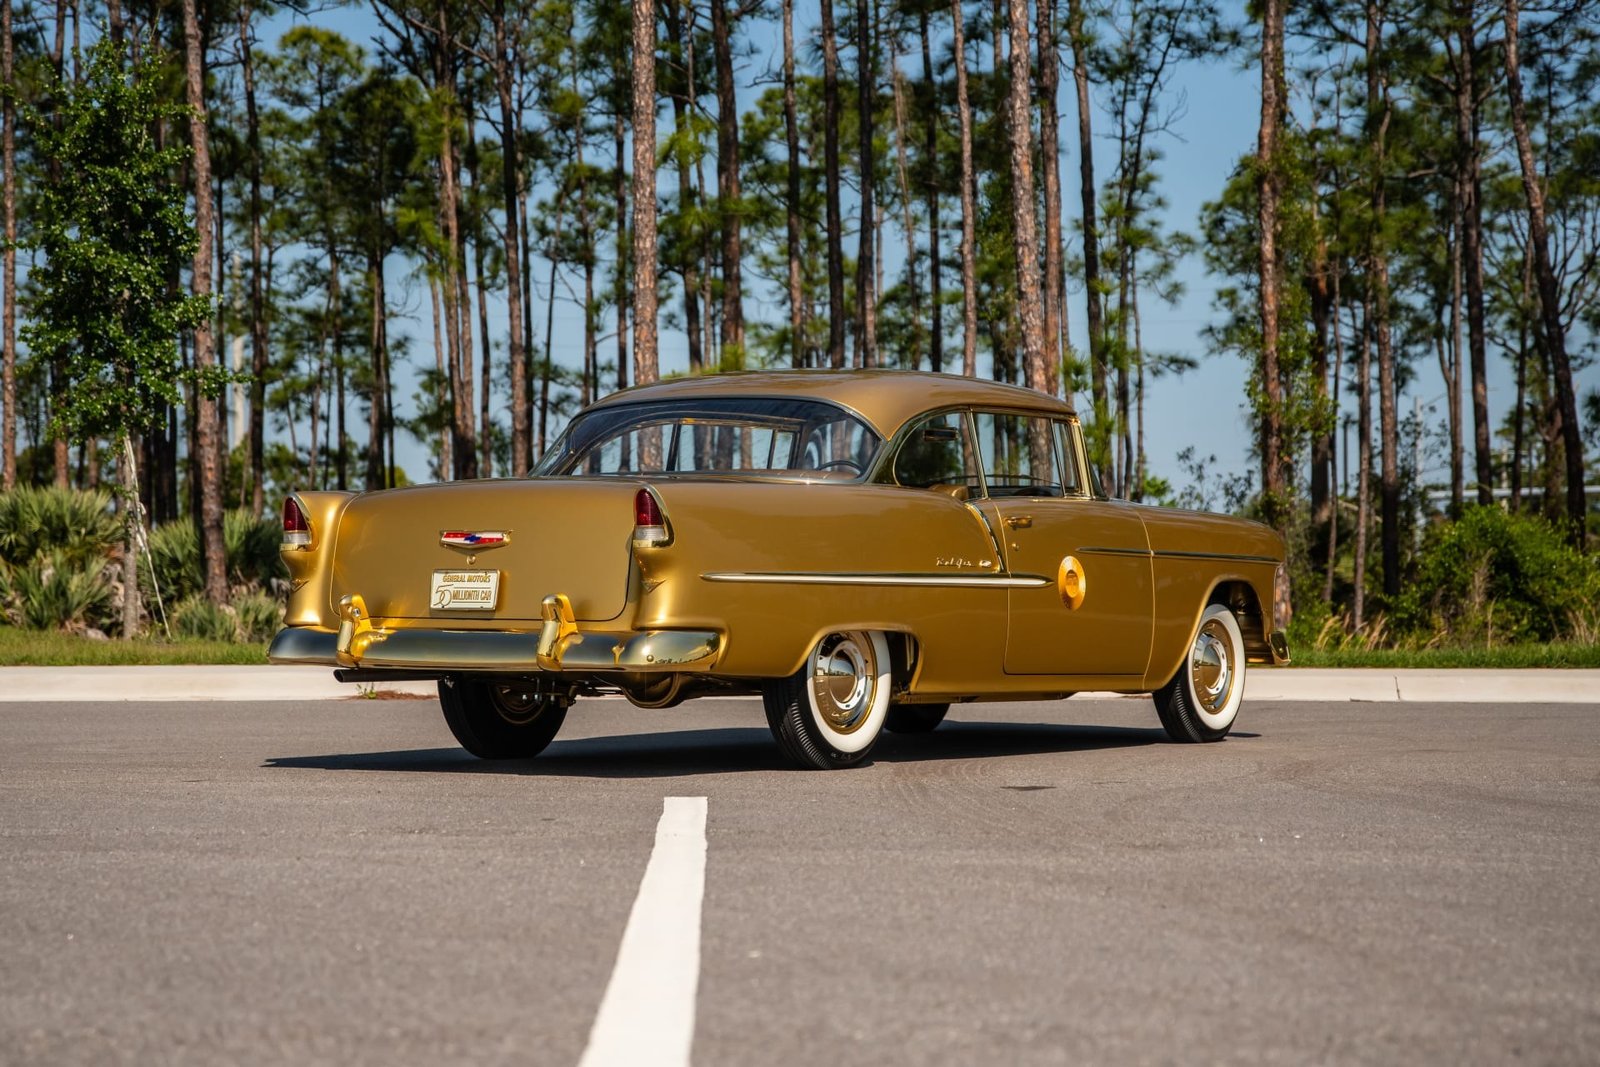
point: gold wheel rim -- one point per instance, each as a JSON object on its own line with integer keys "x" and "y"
{"x": 844, "y": 681}
{"x": 517, "y": 705}
{"x": 1212, "y": 667}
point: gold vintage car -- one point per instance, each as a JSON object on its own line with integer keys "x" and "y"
{"x": 861, "y": 548}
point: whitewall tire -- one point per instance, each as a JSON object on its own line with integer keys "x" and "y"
{"x": 1202, "y": 700}
{"x": 831, "y": 711}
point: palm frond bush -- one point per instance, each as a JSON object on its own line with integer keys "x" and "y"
{"x": 79, "y": 526}
{"x": 197, "y": 618}
{"x": 251, "y": 545}
{"x": 51, "y": 593}
{"x": 260, "y": 616}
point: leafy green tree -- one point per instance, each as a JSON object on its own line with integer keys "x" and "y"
{"x": 111, "y": 233}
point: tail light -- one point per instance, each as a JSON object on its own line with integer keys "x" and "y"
{"x": 649, "y": 525}
{"x": 296, "y": 530}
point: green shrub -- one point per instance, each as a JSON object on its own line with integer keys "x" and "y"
{"x": 252, "y": 554}
{"x": 197, "y": 618}
{"x": 260, "y": 616}
{"x": 80, "y": 527}
{"x": 252, "y": 546}
{"x": 52, "y": 594}
{"x": 1495, "y": 577}
{"x": 175, "y": 555}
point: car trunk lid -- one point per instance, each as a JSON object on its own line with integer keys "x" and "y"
{"x": 543, "y": 536}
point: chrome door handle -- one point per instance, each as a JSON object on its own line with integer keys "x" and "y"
{"x": 1019, "y": 522}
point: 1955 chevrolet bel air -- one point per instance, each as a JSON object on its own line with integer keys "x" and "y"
{"x": 861, "y": 548}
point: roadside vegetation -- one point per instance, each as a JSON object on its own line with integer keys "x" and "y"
{"x": 62, "y": 589}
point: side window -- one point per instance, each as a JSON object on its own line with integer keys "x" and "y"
{"x": 838, "y": 444}
{"x": 1071, "y": 480}
{"x": 937, "y": 454}
{"x": 1021, "y": 455}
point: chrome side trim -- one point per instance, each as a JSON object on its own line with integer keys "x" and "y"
{"x": 1228, "y": 556}
{"x": 1171, "y": 553}
{"x": 1019, "y": 581}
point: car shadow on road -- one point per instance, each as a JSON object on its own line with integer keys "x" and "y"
{"x": 728, "y": 750}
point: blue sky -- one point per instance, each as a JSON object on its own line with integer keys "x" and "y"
{"x": 1204, "y": 409}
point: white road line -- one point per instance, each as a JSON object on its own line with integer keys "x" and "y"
{"x": 647, "y": 1014}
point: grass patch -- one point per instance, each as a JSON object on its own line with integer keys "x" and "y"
{"x": 50, "y": 648}
{"x": 1502, "y": 658}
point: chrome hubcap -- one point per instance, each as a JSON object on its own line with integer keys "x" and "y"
{"x": 1211, "y": 667}
{"x": 844, "y": 673}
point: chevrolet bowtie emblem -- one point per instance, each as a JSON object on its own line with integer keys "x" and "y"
{"x": 474, "y": 539}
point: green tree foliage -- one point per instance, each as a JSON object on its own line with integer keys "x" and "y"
{"x": 1493, "y": 577}
{"x": 112, "y": 234}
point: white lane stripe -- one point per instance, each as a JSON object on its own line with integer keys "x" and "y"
{"x": 647, "y": 1014}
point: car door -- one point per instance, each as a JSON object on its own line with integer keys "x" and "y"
{"x": 1040, "y": 508}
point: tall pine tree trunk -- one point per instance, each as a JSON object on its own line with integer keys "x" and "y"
{"x": 1467, "y": 155}
{"x": 907, "y": 223}
{"x": 1555, "y": 339}
{"x": 969, "y": 209}
{"x": 1450, "y": 360}
{"x": 1055, "y": 310}
{"x": 646, "y": 367}
{"x": 619, "y": 193}
{"x": 58, "y": 377}
{"x": 1378, "y": 114}
{"x": 8, "y": 255}
{"x": 689, "y": 266}
{"x": 830, "y": 170}
{"x": 258, "y": 303}
{"x": 213, "y": 550}
{"x": 457, "y": 314}
{"x": 1274, "y": 472}
{"x": 791, "y": 139}
{"x": 1364, "y": 458}
{"x": 930, "y": 160}
{"x": 1030, "y": 298}
{"x": 480, "y": 278}
{"x": 510, "y": 181}
{"x": 866, "y": 296}
{"x": 1091, "y": 239}
{"x": 732, "y": 332}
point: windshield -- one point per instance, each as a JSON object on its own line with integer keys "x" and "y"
{"x": 721, "y": 435}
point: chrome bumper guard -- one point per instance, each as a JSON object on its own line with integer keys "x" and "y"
{"x": 559, "y": 646}
{"x": 1279, "y": 643}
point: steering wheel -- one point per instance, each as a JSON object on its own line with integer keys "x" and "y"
{"x": 852, "y": 464}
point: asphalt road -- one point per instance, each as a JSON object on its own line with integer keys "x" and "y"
{"x": 336, "y": 882}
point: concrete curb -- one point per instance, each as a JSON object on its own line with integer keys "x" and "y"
{"x": 118, "y": 684}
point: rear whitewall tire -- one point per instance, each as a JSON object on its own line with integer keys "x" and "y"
{"x": 831, "y": 711}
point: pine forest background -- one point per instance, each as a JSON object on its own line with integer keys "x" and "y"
{"x": 253, "y": 248}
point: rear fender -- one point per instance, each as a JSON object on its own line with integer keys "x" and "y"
{"x": 310, "y": 566}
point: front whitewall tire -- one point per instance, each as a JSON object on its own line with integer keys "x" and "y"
{"x": 1202, "y": 700}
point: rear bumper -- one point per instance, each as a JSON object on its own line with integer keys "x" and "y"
{"x": 558, "y": 646}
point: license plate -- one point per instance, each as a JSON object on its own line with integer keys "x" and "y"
{"x": 464, "y": 590}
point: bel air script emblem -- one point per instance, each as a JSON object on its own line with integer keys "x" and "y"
{"x": 473, "y": 539}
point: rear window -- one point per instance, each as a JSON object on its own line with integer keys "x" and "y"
{"x": 722, "y": 435}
